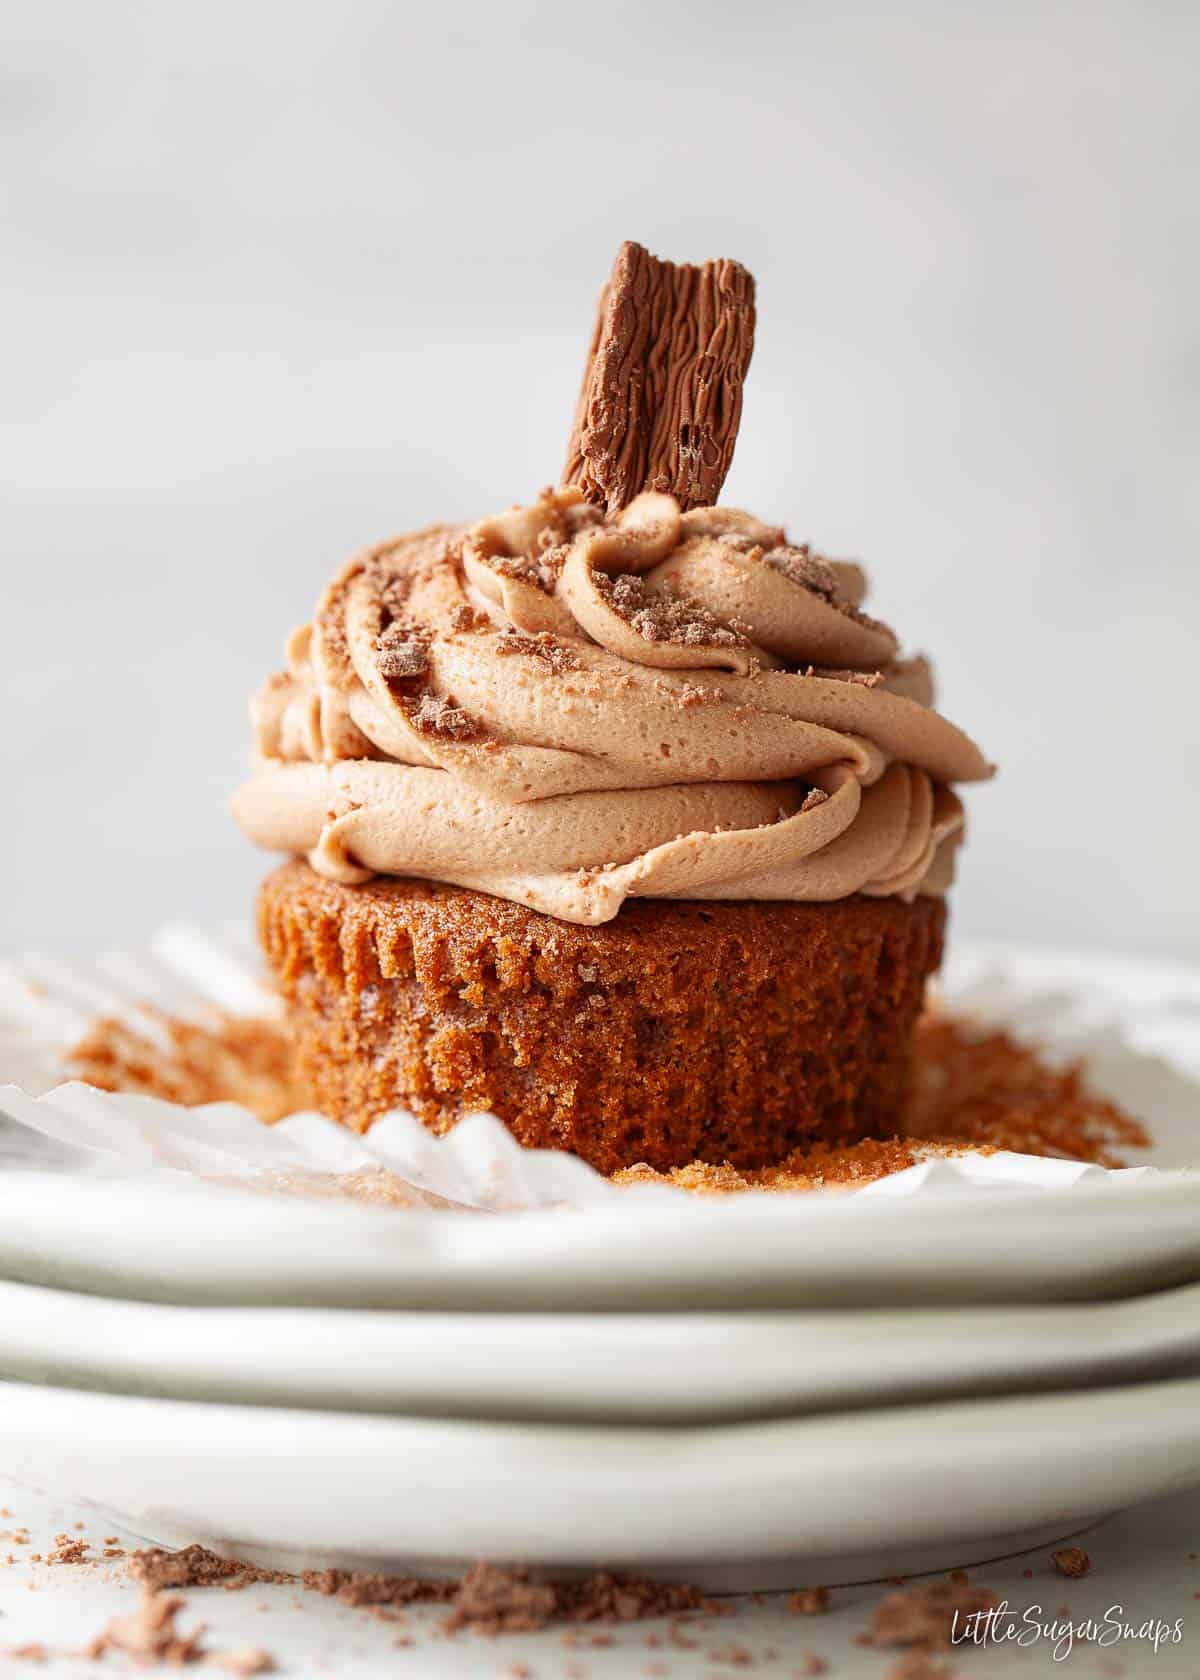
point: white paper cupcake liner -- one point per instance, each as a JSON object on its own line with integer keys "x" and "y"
{"x": 1136, "y": 1024}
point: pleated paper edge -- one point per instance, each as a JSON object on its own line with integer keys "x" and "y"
{"x": 1140, "y": 1019}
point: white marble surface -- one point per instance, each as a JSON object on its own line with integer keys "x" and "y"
{"x": 1145, "y": 1561}
{"x": 280, "y": 279}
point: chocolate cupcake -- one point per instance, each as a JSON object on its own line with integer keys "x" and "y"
{"x": 621, "y": 818}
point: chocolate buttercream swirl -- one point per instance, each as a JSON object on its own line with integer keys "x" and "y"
{"x": 567, "y": 710}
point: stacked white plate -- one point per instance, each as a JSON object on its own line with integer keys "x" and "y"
{"x": 202, "y": 1336}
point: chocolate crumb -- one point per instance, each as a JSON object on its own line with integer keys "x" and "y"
{"x": 239, "y": 1059}
{"x": 67, "y": 1550}
{"x": 813, "y": 798}
{"x": 149, "y": 1633}
{"x": 618, "y": 1598}
{"x": 196, "y": 1566}
{"x": 366, "y": 1589}
{"x": 809, "y": 1601}
{"x": 1073, "y": 1562}
{"x": 403, "y": 652}
{"x": 928, "y": 1615}
{"x": 540, "y": 573}
{"x": 801, "y": 566}
{"x": 663, "y": 617}
{"x": 465, "y": 617}
{"x": 688, "y": 694}
{"x": 974, "y": 1088}
{"x": 493, "y": 1601}
{"x": 543, "y": 647}
{"x": 487, "y": 1597}
{"x": 388, "y": 583}
{"x": 833, "y": 673}
{"x": 918, "y": 1665}
{"x": 435, "y": 715}
{"x": 252, "y": 1659}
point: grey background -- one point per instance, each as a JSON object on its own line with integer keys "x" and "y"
{"x": 281, "y": 279}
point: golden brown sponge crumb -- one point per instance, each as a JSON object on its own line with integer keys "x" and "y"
{"x": 678, "y": 1031}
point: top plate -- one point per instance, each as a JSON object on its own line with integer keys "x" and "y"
{"x": 133, "y": 1197}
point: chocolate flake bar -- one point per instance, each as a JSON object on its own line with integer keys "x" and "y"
{"x": 662, "y": 390}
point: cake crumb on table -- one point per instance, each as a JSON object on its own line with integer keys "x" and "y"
{"x": 195, "y": 1566}
{"x": 918, "y": 1665}
{"x": 149, "y": 1633}
{"x": 1073, "y": 1562}
{"x": 928, "y": 1616}
{"x": 492, "y": 1601}
{"x": 731, "y": 1656}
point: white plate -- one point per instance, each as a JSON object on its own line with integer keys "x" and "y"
{"x": 766, "y": 1504}
{"x": 88, "y": 1203}
{"x": 597, "y": 1367}
{"x": 167, "y": 1237}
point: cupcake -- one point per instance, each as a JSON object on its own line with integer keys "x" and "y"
{"x": 614, "y": 813}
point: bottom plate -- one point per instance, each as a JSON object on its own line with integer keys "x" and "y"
{"x": 732, "y": 1507}
{"x": 635, "y": 1368}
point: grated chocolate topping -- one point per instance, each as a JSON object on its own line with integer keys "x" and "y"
{"x": 663, "y": 618}
{"x": 403, "y": 651}
{"x": 540, "y": 572}
{"x": 543, "y": 647}
{"x": 433, "y": 714}
{"x": 465, "y": 617}
{"x": 864, "y": 679}
{"x": 801, "y": 566}
{"x": 390, "y": 584}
